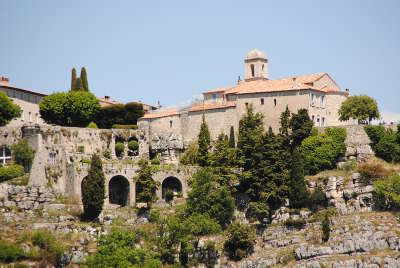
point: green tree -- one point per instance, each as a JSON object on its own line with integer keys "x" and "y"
{"x": 298, "y": 194}
{"x": 362, "y": 107}
{"x": 93, "y": 193}
{"x": 232, "y": 138}
{"x": 189, "y": 157}
{"x": 258, "y": 210}
{"x": 133, "y": 111}
{"x": 83, "y": 77}
{"x": 78, "y": 85}
{"x": 23, "y": 154}
{"x": 301, "y": 126}
{"x": 240, "y": 241}
{"x": 73, "y": 78}
{"x": 325, "y": 228}
{"x": 204, "y": 142}
{"x": 207, "y": 197}
{"x": 145, "y": 185}
{"x": 75, "y": 108}
{"x": 8, "y": 110}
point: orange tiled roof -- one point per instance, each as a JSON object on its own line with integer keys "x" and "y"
{"x": 210, "y": 106}
{"x": 161, "y": 113}
{"x": 217, "y": 90}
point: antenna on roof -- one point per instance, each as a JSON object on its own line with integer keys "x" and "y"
{"x": 239, "y": 80}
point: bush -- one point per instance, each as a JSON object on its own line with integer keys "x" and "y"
{"x": 8, "y": 110}
{"x": 387, "y": 193}
{"x": 189, "y": 157}
{"x": 154, "y": 216}
{"x": 201, "y": 224}
{"x": 107, "y": 153}
{"x": 23, "y": 154}
{"x": 75, "y": 108}
{"x": 258, "y": 211}
{"x": 372, "y": 170}
{"x": 318, "y": 198}
{"x": 298, "y": 223}
{"x": 11, "y": 252}
{"x": 10, "y": 172}
{"x": 93, "y": 189}
{"x": 375, "y": 134}
{"x": 169, "y": 196}
{"x": 388, "y": 148}
{"x": 120, "y": 115}
{"x": 240, "y": 241}
{"x": 325, "y": 228}
{"x": 119, "y": 149}
{"x": 133, "y": 145}
{"x": 320, "y": 152}
{"x": 92, "y": 125}
{"x": 155, "y": 161}
{"x": 47, "y": 242}
{"x": 119, "y": 126}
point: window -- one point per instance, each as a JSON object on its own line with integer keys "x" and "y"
{"x": 30, "y": 117}
{"x": 252, "y": 70}
{"x": 323, "y": 121}
{"x": 170, "y": 123}
{"x": 214, "y": 97}
{"x": 313, "y": 118}
{"x": 37, "y": 118}
{"x": 262, "y": 68}
{"x": 52, "y": 158}
{"x": 262, "y": 101}
{"x": 312, "y": 100}
{"x": 22, "y": 115}
{"x": 274, "y": 102}
{"x": 318, "y": 121}
{"x": 323, "y": 101}
{"x": 247, "y": 104}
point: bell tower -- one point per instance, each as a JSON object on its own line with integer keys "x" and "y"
{"x": 256, "y": 66}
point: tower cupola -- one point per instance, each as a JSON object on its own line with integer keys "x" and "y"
{"x": 256, "y": 66}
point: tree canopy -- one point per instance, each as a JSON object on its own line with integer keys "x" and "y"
{"x": 8, "y": 110}
{"x": 362, "y": 108}
{"x": 204, "y": 141}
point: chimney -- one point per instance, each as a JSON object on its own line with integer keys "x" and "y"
{"x": 159, "y": 104}
{"x": 239, "y": 80}
{"x": 4, "y": 81}
{"x": 107, "y": 98}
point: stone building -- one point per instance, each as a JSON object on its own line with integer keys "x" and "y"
{"x": 223, "y": 107}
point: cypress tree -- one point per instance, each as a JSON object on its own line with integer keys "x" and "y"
{"x": 204, "y": 141}
{"x": 301, "y": 126}
{"x": 93, "y": 192}
{"x": 298, "y": 194}
{"x": 78, "y": 84}
{"x": 83, "y": 77}
{"x": 145, "y": 185}
{"x": 325, "y": 228}
{"x": 73, "y": 78}
{"x": 232, "y": 138}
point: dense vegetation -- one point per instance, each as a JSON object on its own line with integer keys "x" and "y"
{"x": 387, "y": 193}
{"x": 79, "y": 83}
{"x": 23, "y": 154}
{"x": 93, "y": 189}
{"x": 361, "y": 108}
{"x": 119, "y": 115}
{"x": 385, "y": 142}
{"x": 8, "y": 110}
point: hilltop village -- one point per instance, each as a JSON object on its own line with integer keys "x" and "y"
{"x": 265, "y": 173}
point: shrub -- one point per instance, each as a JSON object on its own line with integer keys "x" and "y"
{"x": 320, "y": 152}
{"x": 318, "y": 198}
{"x": 388, "y": 148}
{"x": 240, "y": 241}
{"x": 93, "y": 189}
{"x": 375, "y": 134}
{"x": 120, "y": 126}
{"x": 92, "y": 125}
{"x": 387, "y": 193}
{"x": 154, "y": 216}
{"x": 8, "y": 110}
{"x": 258, "y": 211}
{"x": 120, "y": 115}
{"x": 10, "y": 172}
{"x": 325, "y": 228}
{"x": 47, "y": 241}
{"x": 298, "y": 223}
{"x": 23, "y": 154}
{"x": 107, "y": 153}
{"x": 10, "y": 252}
{"x": 75, "y": 108}
{"x": 169, "y": 196}
{"x": 372, "y": 170}
{"x": 155, "y": 161}
{"x": 119, "y": 149}
{"x": 189, "y": 157}
{"x": 201, "y": 224}
{"x": 133, "y": 145}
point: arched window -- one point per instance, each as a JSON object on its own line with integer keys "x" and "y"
{"x": 252, "y": 70}
{"x": 262, "y": 101}
{"x": 52, "y": 158}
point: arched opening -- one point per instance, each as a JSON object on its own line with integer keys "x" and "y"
{"x": 252, "y": 70}
{"x": 171, "y": 184}
{"x": 118, "y": 191}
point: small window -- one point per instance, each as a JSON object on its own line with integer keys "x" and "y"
{"x": 323, "y": 121}
{"x": 262, "y": 101}
{"x": 247, "y": 104}
{"x": 322, "y": 101}
{"x": 214, "y": 97}
{"x": 22, "y": 115}
{"x": 274, "y": 102}
{"x": 30, "y": 117}
{"x": 252, "y": 70}
{"x": 262, "y": 67}
{"x": 170, "y": 123}
{"x": 313, "y": 118}
{"x": 52, "y": 158}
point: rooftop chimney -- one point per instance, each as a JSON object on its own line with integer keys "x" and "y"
{"x": 4, "y": 81}
{"x": 107, "y": 98}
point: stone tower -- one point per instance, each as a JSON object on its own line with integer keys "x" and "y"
{"x": 256, "y": 65}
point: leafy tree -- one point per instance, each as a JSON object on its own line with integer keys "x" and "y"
{"x": 23, "y": 154}
{"x": 200, "y": 224}
{"x": 325, "y": 228}
{"x": 133, "y": 111}
{"x": 119, "y": 149}
{"x": 207, "y": 197}
{"x": 92, "y": 125}
{"x": 8, "y": 110}
{"x": 375, "y": 134}
{"x": 78, "y": 85}
{"x": 388, "y": 148}
{"x": 73, "y": 79}
{"x": 145, "y": 185}
{"x": 301, "y": 126}
{"x": 189, "y": 157}
{"x": 75, "y": 108}
{"x": 387, "y": 193}
{"x": 133, "y": 145}
{"x": 83, "y": 77}
{"x": 204, "y": 142}
{"x": 362, "y": 107}
{"x": 240, "y": 241}
{"x": 298, "y": 194}
{"x": 318, "y": 198}
{"x": 284, "y": 129}
{"x": 232, "y": 138}
{"x": 93, "y": 189}
{"x": 119, "y": 114}
{"x": 258, "y": 211}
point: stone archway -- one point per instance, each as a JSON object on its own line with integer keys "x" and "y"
{"x": 171, "y": 184}
{"x": 118, "y": 191}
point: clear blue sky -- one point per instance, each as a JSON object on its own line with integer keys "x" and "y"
{"x": 173, "y": 50}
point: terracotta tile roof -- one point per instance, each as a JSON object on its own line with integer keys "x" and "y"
{"x": 161, "y": 113}
{"x": 217, "y": 90}
{"x": 210, "y": 106}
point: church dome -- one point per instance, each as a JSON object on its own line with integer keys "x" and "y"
{"x": 255, "y": 54}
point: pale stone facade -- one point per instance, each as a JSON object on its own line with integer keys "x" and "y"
{"x": 224, "y": 107}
